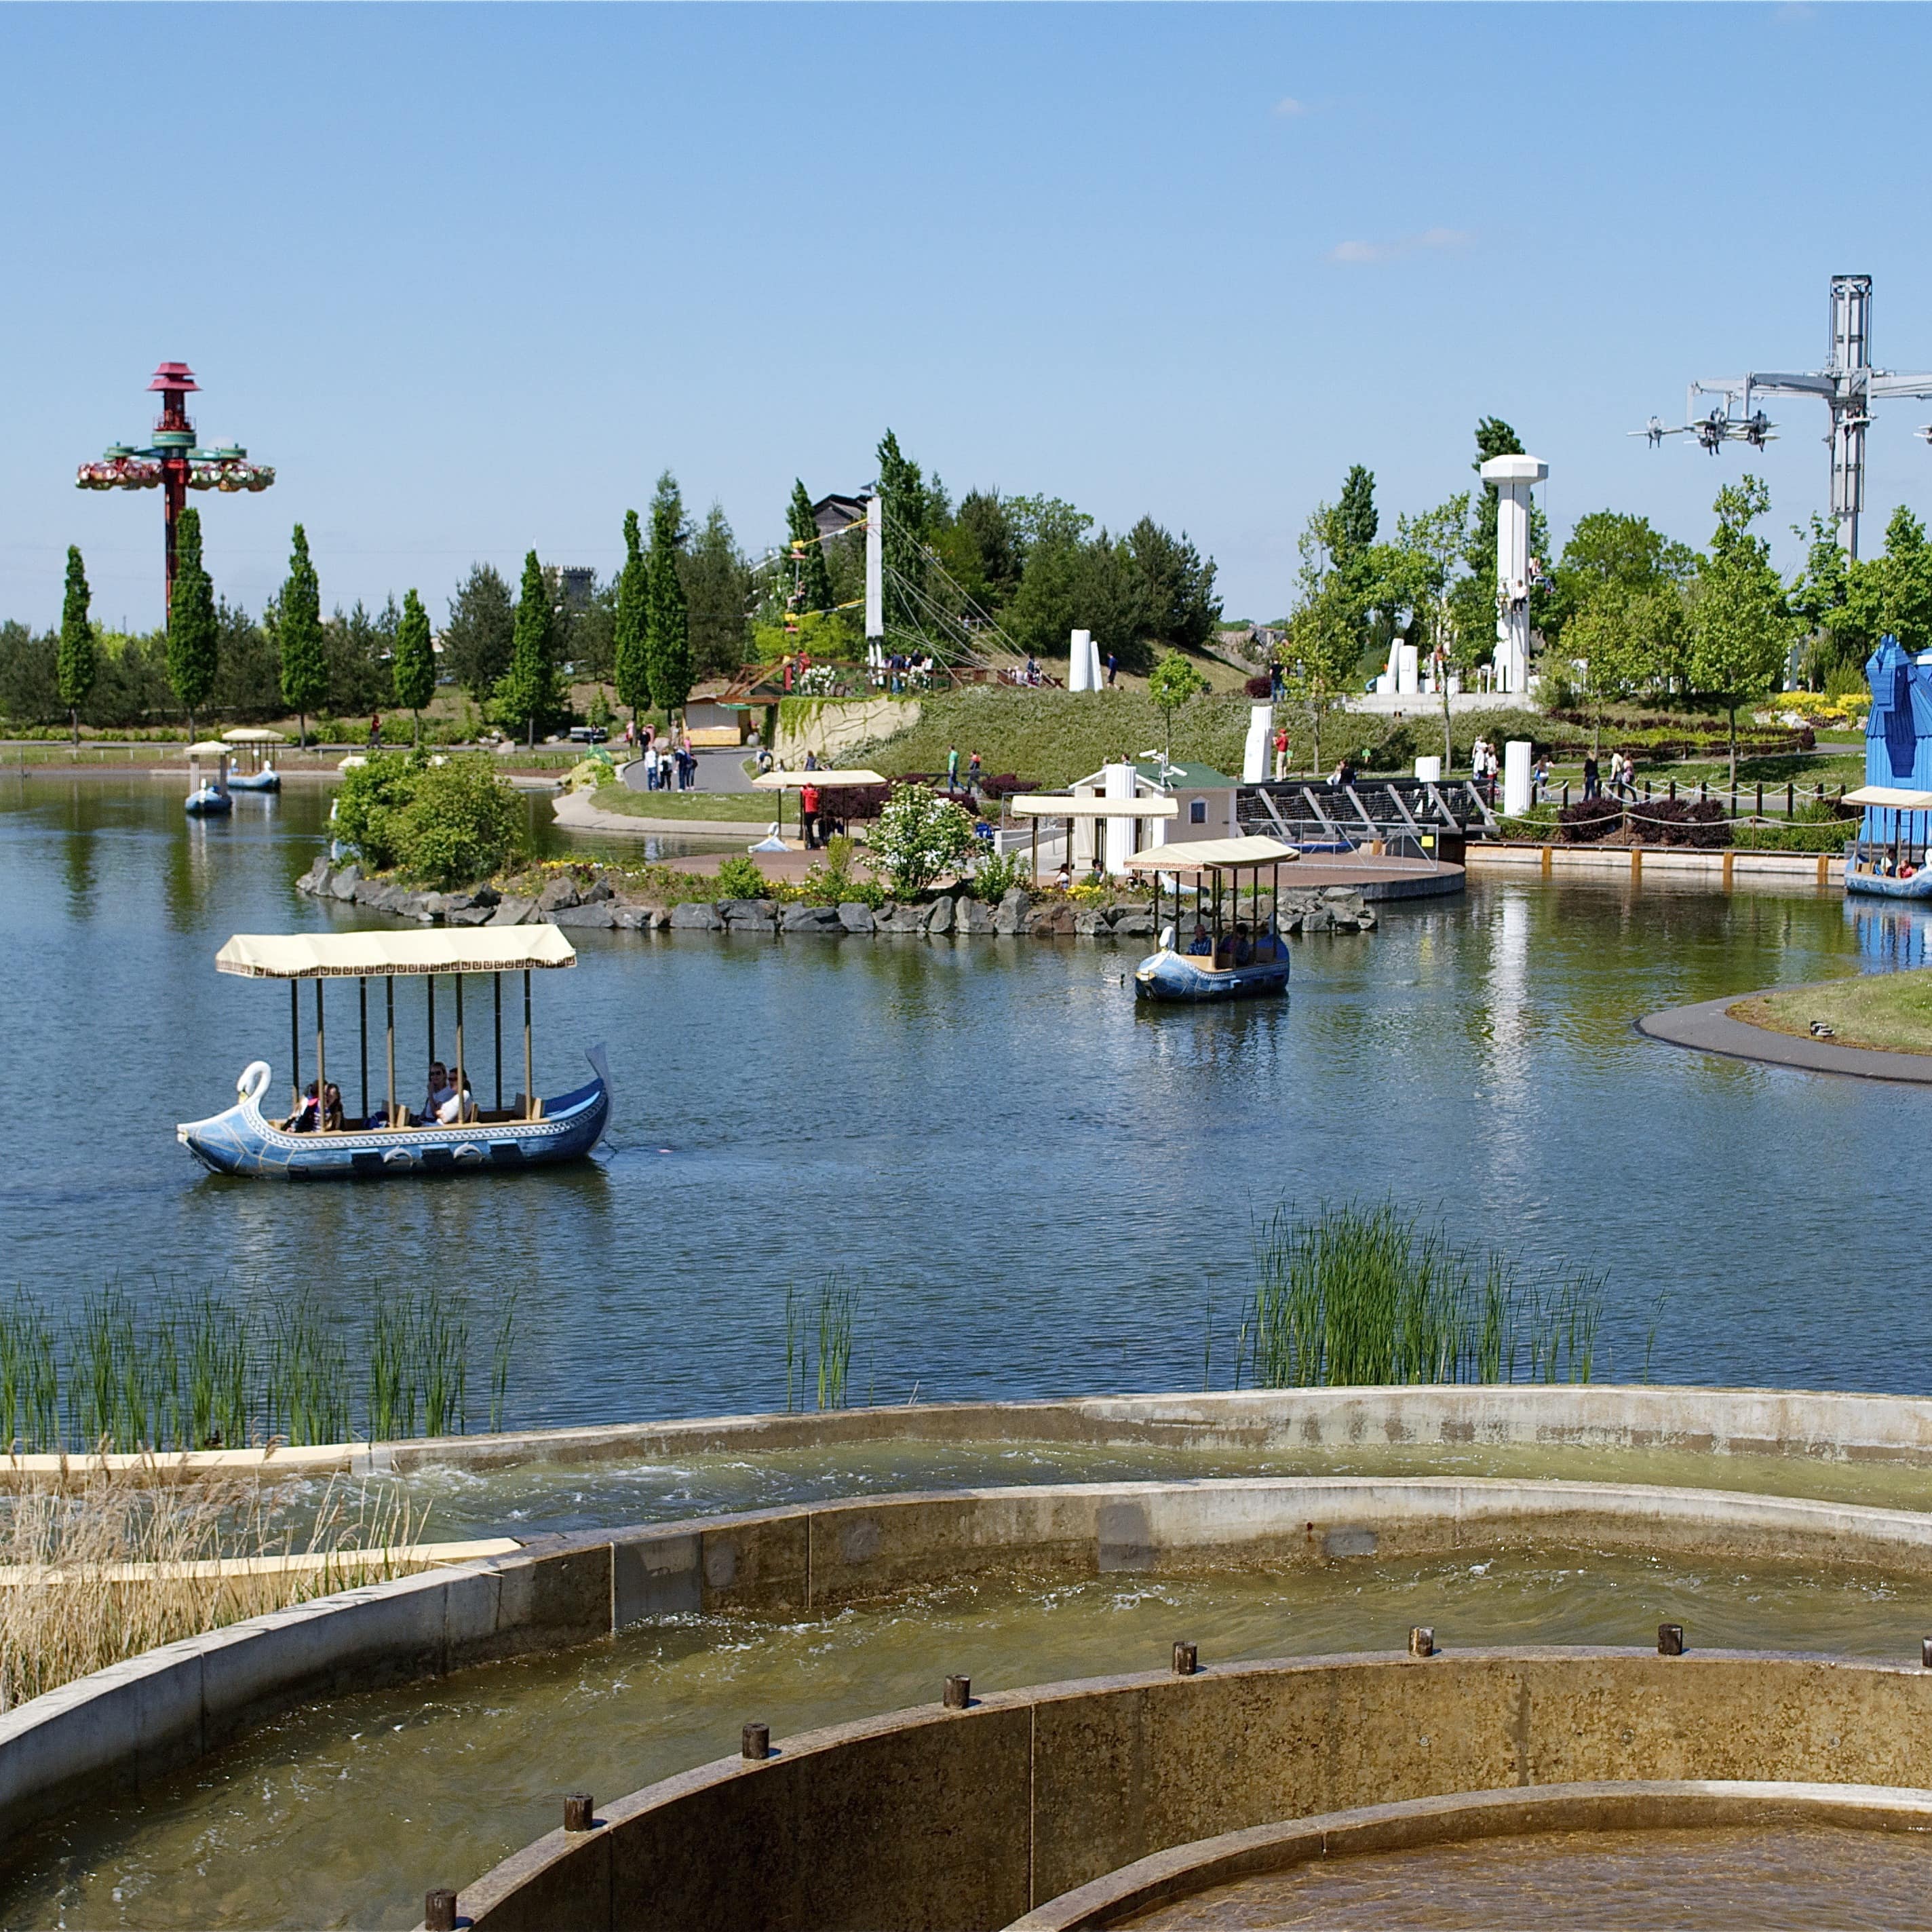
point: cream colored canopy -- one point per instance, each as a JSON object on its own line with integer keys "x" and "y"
{"x": 1891, "y": 798}
{"x": 791, "y": 781}
{"x": 1212, "y": 855}
{"x": 253, "y": 734}
{"x": 335, "y": 955}
{"x": 1056, "y": 805}
{"x": 209, "y": 748}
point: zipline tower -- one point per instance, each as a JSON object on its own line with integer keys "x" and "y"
{"x": 173, "y": 464}
{"x": 1848, "y": 385}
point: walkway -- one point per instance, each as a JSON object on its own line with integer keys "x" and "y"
{"x": 1708, "y": 1027}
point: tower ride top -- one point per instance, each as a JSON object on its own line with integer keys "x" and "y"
{"x": 172, "y": 463}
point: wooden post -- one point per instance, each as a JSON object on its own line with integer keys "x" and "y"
{"x": 1790, "y": 798}
{"x": 1548, "y": 862}
{"x": 461, "y": 1114}
{"x": 294, "y": 1044}
{"x": 1824, "y": 872}
{"x": 496, "y": 990}
{"x": 1637, "y": 861}
{"x": 321, "y": 1064}
{"x": 430, "y": 982}
{"x": 389, "y": 1001}
{"x": 529, "y": 1083}
{"x": 1730, "y": 853}
{"x": 362, "y": 1010}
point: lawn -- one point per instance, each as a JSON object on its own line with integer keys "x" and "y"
{"x": 753, "y": 808}
{"x": 1890, "y": 1011}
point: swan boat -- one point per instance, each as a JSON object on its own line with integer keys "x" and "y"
{"x": 205, "y": 800}
{"x": 257, "y": 746}
{"x": 1211, "y": 973}
{"x": 319, "y": 1143}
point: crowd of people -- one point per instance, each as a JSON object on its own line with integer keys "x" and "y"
{"x": 447, "y": 1101}
{"x": 669, "y": 762}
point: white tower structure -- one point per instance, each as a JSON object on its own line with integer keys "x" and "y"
{"x": 1080, "y": 661}
{"x": 1514, "y": 477}
{"x": 875, "y": 567}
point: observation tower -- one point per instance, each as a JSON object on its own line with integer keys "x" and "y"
{"x": 172, "y": 463}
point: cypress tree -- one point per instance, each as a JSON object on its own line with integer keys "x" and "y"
{"x": 668, "y": 645}
{"x": 630, "y": 645}
{"x": 305, "y": 662}
{"x": 903, "y": 489}
{"x": 526, "y": 692}
{"x": 815, "y": 579}
{"x": 75, "y": 668}
{"x": 412, "y": 667}
{"x": 193, "y": 631}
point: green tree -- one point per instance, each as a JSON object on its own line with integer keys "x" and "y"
{"x": 298, "y": 635}
{"x": 1045, "y": 607}
{"x": 1171, "y": 683}
{"x": 1355, "y": 522}
{"x": 449, "y": 824}
{"x": 526, "y": 694}
{"x": 1610, "y": 549}
{"x": 1740, "y": 627}
{"x": 984, "y": 540}
{"x": 1625, "y": 638}
{"x": 1318, "y": 655}
{"x": 812, "y": 590}
{"x": 75, "y": 667}
{"x": 1418, "y": 573}
{"x": 632, "y": 666}
{"x": 359, "y": 650}
{"x": 917, "y": 836}
{"x": 1819, "y": 597}
{"x": 1174, "y": 587}
{"x": 718, "y": 595}
{"x": 1893, "y": 592}
{"x": 193, "y": 632}
{"x": 909, "y": 507}
{"x": 668, "y": 637}
{"x": 478, "y": 641}
{"x": 413, "y": 667}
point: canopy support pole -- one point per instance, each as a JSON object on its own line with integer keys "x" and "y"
{"x": 389, "y": 1000}
{"x": 496, "y": 988}
{"x": 321, "y": 1067}
{"x": 461, "y": 1113}
{"x": 1036, "y": 852}
{"x": 529, "y": 1082}
{"x": 430, "y": 983}
{"x": 294, "y": 1045}
{"x": 362, "y": 1009}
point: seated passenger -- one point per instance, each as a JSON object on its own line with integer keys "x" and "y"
{"x": 440, "y": 1092}
{"x": 459, "y": 1107}
{"x": 1224, "y": 950}
{"x": 302, "y": 1121}
{"x": 331, "y": 1108}
{"x": 1244, "y": 947}
{"x": 1200, "y": 943}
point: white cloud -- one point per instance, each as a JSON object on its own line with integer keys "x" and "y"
{"x": 1430, "y": 240}
{"x": 1288, "y": 107}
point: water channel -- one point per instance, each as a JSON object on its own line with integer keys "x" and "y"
{"x": 1039, "y": 1187}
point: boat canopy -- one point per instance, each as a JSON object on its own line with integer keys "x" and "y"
{"x": 1212, "y": 855}
{"x": 1058, "y": 804}
{"x": 1891, "y": 798}
{"x": 253, "y": 734}
{"x": 352, "y": 955}
{"x": 792, "y": 781}
{"x": 209, "y": 748}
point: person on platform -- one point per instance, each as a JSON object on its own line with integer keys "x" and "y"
{"x": 808, "y": 815}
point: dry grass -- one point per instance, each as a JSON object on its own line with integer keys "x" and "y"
{"x": 1891, "y": 1012}
{"x": 75, "y": 1615}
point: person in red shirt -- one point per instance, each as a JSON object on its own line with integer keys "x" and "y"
{"x": 808, "y": 815}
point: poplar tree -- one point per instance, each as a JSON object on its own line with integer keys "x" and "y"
{"x": 815, "y": 579}
{"x": 75, "y": 668}
{"x": 1740, "y": 628}
{"x": 631, "y": 668}
{"x": 298, "y": 632}
{"x": 526, "y": 692}
{"x": 668, "y": 646}
{"x": 192, "y": 631}
{"x": 413, "y": 666}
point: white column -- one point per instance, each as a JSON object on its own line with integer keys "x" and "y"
{"x": 875, "y": 567}
{"x": 1080, "y": 661}
{"x": 1516, "y": 777}
{"x": 1120, "y": 831}
{"x": 1513, "y": 476}
{"x": 1095, "y": 676}
{"x": 1255, "y": 750}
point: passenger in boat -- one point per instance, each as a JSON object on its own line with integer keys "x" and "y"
{"x": 1200, "y": 946}
{"x": 331, "y": 1108}
{"x": 441, "y": 1093}
{"x": 1244, "y": 947}
{"x": 302, "y": 1121}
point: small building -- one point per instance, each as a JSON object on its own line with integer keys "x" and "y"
{"x": 835, "y": 514}
{"x": 1204, "y": 798}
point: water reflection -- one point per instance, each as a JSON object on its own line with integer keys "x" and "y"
{"x": 1890, "y": 934}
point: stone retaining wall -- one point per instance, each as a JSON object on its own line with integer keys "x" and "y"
{"x": 971, "y": 1818}
{"x": 605, "y": 902}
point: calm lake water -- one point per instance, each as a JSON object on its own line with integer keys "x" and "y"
{"x": 1038, "y": 1187}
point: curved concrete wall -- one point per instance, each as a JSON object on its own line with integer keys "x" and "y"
{"x": 970, "y": 1819}
{"x": 1638, "y": 1806}
{"x": 126, "y": 1726}
{"x": 1768, "y": 1422}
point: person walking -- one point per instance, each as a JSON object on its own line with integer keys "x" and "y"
{"x": 952, "y": 768}
{"x": 1593, "y": 782}
{"x": 1113, "y": 666}
{"x": 375, "y": 730}
{"x": 973, "y": 773}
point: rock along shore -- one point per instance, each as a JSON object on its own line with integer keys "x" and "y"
{"x": 568, "y": 902}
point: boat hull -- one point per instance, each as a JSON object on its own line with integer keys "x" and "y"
{"x": 242, "y": 1141}
{"x": 255, "y": 781}
{"x": 1168, "y": 975}
{"x": 1875, "y": 885}
{"x": 208, "y": 802}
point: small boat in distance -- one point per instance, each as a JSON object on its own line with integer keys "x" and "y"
{"x": 1224, "y": 957}
{"x": 256, "y": 744}
{"x": 205, "y": 800}
{"x": 318, "y": 1140}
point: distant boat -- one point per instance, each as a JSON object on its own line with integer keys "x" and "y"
{"x": 1213, "y": 974}
{"x": 315, "y": 1142}
{"x": 257, "y": 744}
{"x": 205, "y": 800}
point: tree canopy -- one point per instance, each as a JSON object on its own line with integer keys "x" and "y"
{"x": 1740, "y": 630}
{"x": 668, "y": 637}
{"x": 74, "y": 669}
{"x": 304, "y": 664}
{"x": 413, "y": 669}
{"x": 526, "y": 694}
{"x": 478, "y": 639}
{"x": 193, "y": 633}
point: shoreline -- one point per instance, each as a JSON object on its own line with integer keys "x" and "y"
{"x": 1708, "y": 1027}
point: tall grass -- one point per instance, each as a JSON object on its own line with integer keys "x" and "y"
{"x": 828, "y": 1319}
{"x": 67, "y": 1607}
{"x": 1362, "y": 1294}
{"x": 169, "y": 1371}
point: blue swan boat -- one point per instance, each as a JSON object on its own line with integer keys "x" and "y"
{"x": 1211, "y": 974}
{"x": 317, "y": 1142}
{"x": 205, "y": 800}
{"x": 257, "y": 746}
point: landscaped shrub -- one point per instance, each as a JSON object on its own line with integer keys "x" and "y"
{"x": 1680, "y": 821}
{"x": 1589, "y": 820}
{"x": 1259, "y": 687}
{"x": 918, "y": 836}
{"x": 447, "y": 822}
{"x": 739, "y": 878}
{"x": 1007, "y": 785}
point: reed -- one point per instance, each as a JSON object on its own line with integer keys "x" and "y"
{"x": 1359, "y": 1295}
{"x": 829, "y": 1320}
{"x": 63, "y": 1612}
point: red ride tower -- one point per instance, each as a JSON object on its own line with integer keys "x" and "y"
{"x": 172, "y": 463}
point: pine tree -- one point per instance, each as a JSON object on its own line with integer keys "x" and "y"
{"x": 668, "y": 644}
{"x": 631, "y": 668}
{"x": 526, "y": 692}
{"x": 413, "y": 666}
{"x": 814, "y": 580}
{"x": 298, "y": 631}
{"x": 193, "y": 631}
{"x": 75, "y": 667}
{"x": 906, "y": 503}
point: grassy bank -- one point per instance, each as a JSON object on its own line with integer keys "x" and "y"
{"x": 750, "y": 808}
{"x": 1892, "y": 1012}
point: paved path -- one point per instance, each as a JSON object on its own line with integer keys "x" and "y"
{"x": 1708, "y": 1027}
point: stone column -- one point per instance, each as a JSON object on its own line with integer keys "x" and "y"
{"x": 1514, "y": 478}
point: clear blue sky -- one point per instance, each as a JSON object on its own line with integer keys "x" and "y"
{"x": 469, "y": 278}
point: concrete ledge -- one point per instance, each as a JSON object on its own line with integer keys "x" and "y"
{"x": 947, "y": 1818}
{"x": 1814, "y": 1424}
{"x": 1640, "y": 1805}
{"x": 1708, "y": 1027}
{"x": 1726, "y": 865}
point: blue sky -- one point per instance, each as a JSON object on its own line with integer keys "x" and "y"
{"x": 469, "y": 278}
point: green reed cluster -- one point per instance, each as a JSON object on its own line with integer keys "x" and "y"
{"x": 1357, "y": 1295}
{"x": 170, "y": 1371}
{"x": 828, "y": 1317}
